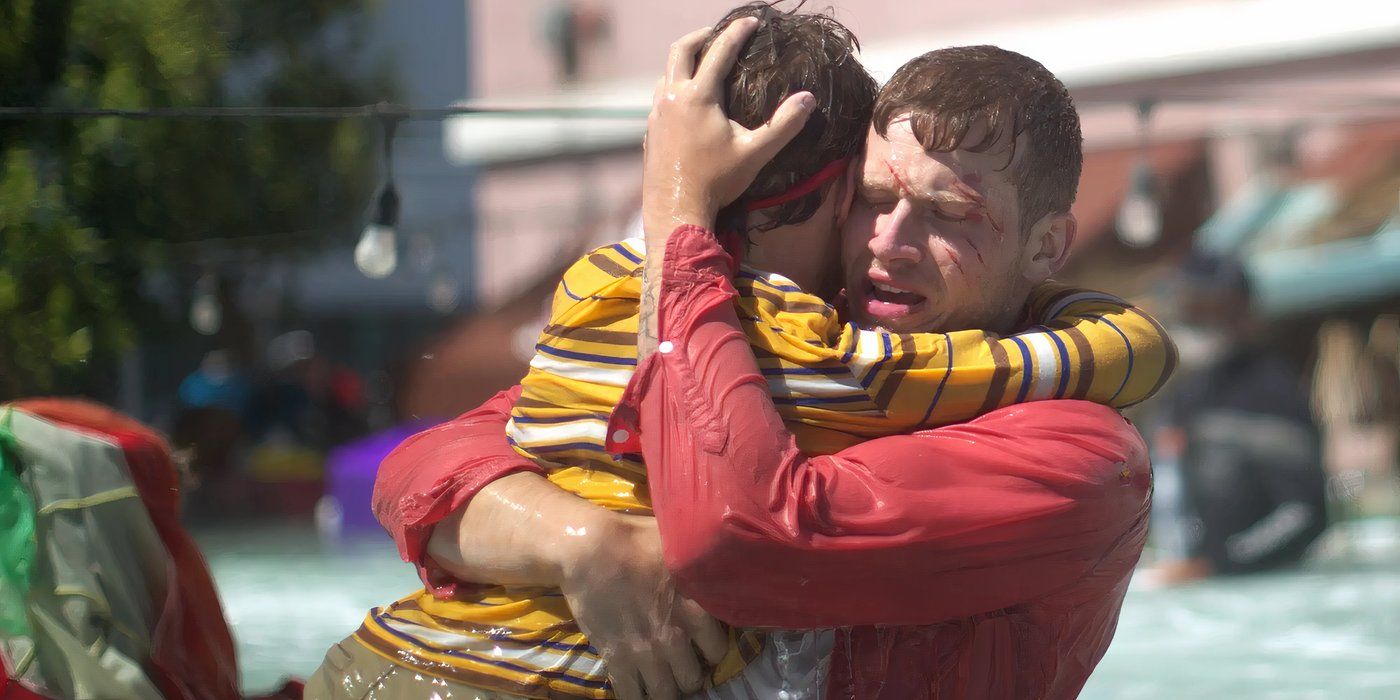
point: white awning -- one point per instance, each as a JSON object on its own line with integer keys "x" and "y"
{"x": 1124, "y": 45}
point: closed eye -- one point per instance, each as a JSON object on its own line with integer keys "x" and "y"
{"x": 956, "y": 212}
{"x": 876, "y": 198}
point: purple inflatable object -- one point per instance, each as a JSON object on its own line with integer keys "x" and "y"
{"x": 350, "y": 472}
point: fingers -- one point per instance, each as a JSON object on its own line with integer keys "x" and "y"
{"x": 706, "y": 632}
{"x": 765, "y": 141}
{"x": 685, "y": 666}
{"x": 680, "y": 65}
{"x": 657, "y": 679}
{"x": 719, "y": 59}
{"x": 626, "y": 685}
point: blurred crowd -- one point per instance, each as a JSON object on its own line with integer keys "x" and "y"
{"x": 257, "y": 441}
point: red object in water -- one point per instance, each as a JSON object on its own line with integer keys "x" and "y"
{"x": 192, "y": 654}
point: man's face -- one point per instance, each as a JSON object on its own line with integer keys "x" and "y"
{"x": 933, "y": 240}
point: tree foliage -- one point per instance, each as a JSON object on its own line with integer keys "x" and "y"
{"x": 87, "y": 205}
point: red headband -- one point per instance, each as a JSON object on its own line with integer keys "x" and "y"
{"x": 832, "y": 171}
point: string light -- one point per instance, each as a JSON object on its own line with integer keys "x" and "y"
{"x": 444, "y": 293}
{"x": 1139, "y": 220}
{"x": 377, "y": 252}
{"x": 206, "y": 316}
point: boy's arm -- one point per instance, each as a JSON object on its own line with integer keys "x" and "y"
{"x": 1092, "y": 346}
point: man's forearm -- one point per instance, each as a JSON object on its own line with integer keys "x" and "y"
{"x": 646, "y": 311}
{"x": 519, "y": 530}
{"x": 658, "y": 228}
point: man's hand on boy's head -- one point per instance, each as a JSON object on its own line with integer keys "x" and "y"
{"x": 696, "y": 159}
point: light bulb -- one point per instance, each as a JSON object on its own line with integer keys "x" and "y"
{"x": 1139, "y": 220}
{"x": 377, "y": 253}
{"x": 205, "y": 315}
{"x": 443, "y": 293}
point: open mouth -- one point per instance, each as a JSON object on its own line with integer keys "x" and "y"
{"x": 887, "y": 301}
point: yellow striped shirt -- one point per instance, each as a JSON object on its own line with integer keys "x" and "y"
{"x": 835, "y": 385}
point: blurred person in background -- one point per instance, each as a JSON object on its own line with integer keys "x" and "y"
{"x": 1356, "y": 398}
{"x": 1238, "y": 425}
{"x": 216, "y": 403}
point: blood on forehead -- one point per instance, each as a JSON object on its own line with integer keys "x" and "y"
{"x": 963, "y": 188}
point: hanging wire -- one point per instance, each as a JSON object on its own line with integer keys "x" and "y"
{"x": 382, "y": 110}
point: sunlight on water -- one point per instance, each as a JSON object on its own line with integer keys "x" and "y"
{"x": 1331, "y": 631}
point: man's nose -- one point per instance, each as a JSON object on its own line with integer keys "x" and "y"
{"x": 892, "y": 242}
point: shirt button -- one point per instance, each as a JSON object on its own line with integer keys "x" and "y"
{"x": 666, "y": 346}
{"x": 621, "y": 435}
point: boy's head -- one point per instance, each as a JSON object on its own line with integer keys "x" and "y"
{"x": 789, "y": 53}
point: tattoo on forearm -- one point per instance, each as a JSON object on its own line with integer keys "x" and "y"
{"x": 646, "y": 315}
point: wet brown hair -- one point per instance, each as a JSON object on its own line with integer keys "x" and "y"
{"x": 950, "y": 92}
{"x": 789, "y": 53}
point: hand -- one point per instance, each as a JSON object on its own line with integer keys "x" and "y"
{"x": 696, "y": 159}
{"x": 625, "y": 601}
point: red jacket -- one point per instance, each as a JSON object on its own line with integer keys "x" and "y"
{"x": 987, "y": 559}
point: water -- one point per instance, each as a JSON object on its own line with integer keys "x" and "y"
{"x": 1331, "y": 631}
{"x": 288, "y": 596}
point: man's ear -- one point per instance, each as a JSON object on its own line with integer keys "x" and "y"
{"x": 847, "y": 190}
{"x": 1048, "y": 246}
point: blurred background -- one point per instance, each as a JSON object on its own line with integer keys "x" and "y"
{"x": 241, "y": 281}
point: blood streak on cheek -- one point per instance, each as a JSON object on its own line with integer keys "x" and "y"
{"x": 954, "y": 258}
{"x": 996, "y": 225}
{"x": 978, "y": 253}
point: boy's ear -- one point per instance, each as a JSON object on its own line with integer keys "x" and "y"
{"x": 847, "y": 190}
{"x": 1048, "y": 246}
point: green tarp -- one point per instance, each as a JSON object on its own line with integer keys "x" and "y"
{"x": 17, "y": 545}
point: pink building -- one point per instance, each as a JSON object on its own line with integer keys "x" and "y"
{"x": 1230, "y": 79}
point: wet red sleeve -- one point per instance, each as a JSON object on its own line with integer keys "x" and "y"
{"x": 437, "y": 472}
{"x": 911, "y": 529}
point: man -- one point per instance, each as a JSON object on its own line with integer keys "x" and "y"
{"x": 1243, "y": 435}
{"x": 1007, "y": 552}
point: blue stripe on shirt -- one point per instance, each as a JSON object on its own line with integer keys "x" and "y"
{"x": 556, "y": 419}
{"x": 818, "y": 401}
{"x": 947, "y": 340}
{"x": 889, "y": 352}
{"x": 624, "y": 252}
{"x": 1064, "y": 362}
{"x": 823, "y": 371}
{"x": 1126, "y": 343}
{"x": 1026, "y": 374}
{"x": 850, "y": 351}
{"x": 586, "y": 356}
{"x": 568, "y": 292}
